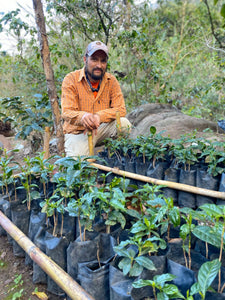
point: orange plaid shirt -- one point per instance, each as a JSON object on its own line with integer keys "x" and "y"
{"x": 78, "y": 98}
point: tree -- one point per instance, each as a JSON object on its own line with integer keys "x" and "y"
{"x": 49, "y": 74}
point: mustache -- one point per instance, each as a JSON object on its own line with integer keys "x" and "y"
{"x": 97, "y": 69}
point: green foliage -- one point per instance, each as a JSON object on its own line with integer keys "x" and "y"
{"x": 7, "y": 167}
{"x": 161, "y": 289}
{"x": 16, "y": 290}
{"x": 131, "y": 263}
{"x": 207, "y": 273}
{"x": 27, "y": 119}
{"x": 153, "y": 59}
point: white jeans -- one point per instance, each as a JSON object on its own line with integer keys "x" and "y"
{"x": 77, "y": 144}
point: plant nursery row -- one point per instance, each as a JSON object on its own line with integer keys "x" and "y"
{"x": 118, "y": 238}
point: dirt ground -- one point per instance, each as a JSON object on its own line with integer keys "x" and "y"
{"x": 16, "y": 277}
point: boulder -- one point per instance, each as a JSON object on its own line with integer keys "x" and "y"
{"x": 168, "y": 120}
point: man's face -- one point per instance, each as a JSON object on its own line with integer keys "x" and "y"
{"x": 96, "y": 65}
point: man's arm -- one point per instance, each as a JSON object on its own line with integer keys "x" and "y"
{"x": 70, "y": 101}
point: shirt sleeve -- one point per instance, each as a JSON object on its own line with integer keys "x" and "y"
{"x": 117, "y": 103}
{"x": 70, "y": 101}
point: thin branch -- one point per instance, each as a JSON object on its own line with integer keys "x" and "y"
{"x": 212, "y": 25}
{"x": 213, "y": 48}
{"x": 179, "y": 45}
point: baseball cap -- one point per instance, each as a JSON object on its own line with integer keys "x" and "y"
{"x": 95, "y": 46}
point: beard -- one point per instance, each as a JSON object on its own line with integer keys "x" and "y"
{"x": 93, "y": 76}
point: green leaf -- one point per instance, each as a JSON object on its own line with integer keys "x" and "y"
{"x": 222, "y": 11}
{"x": 174, "y": 216}
{"x": 145, "y": 262}
{"x": 125, "y": 265}
{"x": 142, "y": 283}
{"x": 35, "y": 195}
{"x": 195, "y": 288}
{"x": 147, "y": 223}
{"x": 121, "y": 219}
{"x": 207, "y": 274}
{"x": 152, "y": 130}
{"x": 115, "y": 203}
{"x": 161, "y": 279}
{"x": 121, "y": 252}
{"x": 133, "y": 213}
{"x": 213, "y": 210}
{"x": 215, "y": 2}
{"x": 162, "y": 296}
{"x": 136, "y": 269}
{"x": 184, "y": 231}
{"x": 208, "y": 234}
{"x": 172, "y": 290}
{"x": 138, "y": 227}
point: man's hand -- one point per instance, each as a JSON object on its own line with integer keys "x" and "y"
{"x": 90, "y": 122}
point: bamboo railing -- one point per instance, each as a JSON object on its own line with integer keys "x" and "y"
{"x": 61, "y": 278}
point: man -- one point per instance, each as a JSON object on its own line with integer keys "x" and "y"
{"x": 90, "y": 99}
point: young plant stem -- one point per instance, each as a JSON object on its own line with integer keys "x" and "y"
{"x": 220, "y": 258}
{"x": 189, "y": 251}
{"x": 7, "y": 192}
{"x": 44, "y": 189}
{"x": 223, "y": 287}
{"x": 185, "y": 258}
{"x": 55, "y": 224}
{"x": 206, "y": 250}
{"x": 154, "y": 161}
{"x": 29, "y": 199}
{"x": 15, "y": 190}
{"x": 168, "y": 232}
{"x": 84, "y": 235}
{"x": 154, "y": 292}
{"x": 80, "y": 228}
{"x": 61, "y": 230}
{"x": 108, "y": 229}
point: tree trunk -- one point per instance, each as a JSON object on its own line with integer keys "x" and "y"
{"x": 49, "y": 75}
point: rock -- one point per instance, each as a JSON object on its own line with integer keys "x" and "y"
{"x": 168, "y": 120}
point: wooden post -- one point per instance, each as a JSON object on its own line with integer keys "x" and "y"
{"x": 118, "y": 123}
{"x": 90, "y": 143}
{"x": 46, "y": 142}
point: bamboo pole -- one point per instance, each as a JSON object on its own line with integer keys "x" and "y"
{"x": 170, "y": 184}
{"x": 61, "y": 278}
{"x": 118, "y": 122}
{"x": 90, "y": 143}
{"x": 46, "y": 142}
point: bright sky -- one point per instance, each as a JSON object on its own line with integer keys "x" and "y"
{"x": 26, "y": 6}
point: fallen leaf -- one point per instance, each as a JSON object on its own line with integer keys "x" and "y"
{"x": 40, "y": 295}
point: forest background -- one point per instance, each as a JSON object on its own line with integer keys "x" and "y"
{"x": 171, "y": 52}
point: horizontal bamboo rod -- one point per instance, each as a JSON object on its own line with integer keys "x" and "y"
{"x": 170, "y": 184}
{"x": 61, "y": 278}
